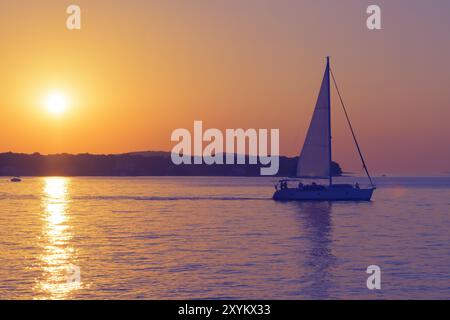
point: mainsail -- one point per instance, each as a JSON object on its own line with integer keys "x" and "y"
{"x": 315, "y": 158}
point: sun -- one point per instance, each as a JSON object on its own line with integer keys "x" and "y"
{"x": 56, "y": 103}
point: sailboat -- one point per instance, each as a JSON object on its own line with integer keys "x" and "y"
{"x": 315, "y": 158}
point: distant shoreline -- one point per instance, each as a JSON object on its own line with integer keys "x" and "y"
{"x": 134, "y": 164}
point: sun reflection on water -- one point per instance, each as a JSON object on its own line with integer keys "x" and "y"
{"x": 58, "y": 254}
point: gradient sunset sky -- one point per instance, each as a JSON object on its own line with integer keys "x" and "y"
{"x": 140, "y": 69}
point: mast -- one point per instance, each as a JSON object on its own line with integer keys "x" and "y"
{"x": 329, "y": 120}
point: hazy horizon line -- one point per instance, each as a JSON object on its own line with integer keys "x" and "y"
{"x": 123, "y": 153}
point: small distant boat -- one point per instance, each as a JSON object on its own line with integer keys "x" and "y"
{"x": 315, "y": 159}
{"x": 16, "y": 179}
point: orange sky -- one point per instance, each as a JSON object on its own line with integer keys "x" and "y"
{"x": 140, "y": 69}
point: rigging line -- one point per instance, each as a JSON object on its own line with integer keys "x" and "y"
{"x": 351, "y": 128}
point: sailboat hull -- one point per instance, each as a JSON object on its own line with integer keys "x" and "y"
{"x": 324, "y": 194}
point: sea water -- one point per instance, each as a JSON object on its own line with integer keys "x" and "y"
{"x": 219, "y": 238}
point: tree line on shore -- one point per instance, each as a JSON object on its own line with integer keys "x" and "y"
{"x": 130, "y": 164}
